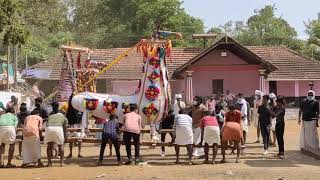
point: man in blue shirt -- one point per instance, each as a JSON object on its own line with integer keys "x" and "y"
{"x": 110, "y": 132}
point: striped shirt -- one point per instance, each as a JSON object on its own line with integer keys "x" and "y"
{"x": 182, "y": 120}
{"x": 111, "y": 127}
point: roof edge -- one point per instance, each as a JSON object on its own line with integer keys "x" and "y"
{"x": 212, "y": 47}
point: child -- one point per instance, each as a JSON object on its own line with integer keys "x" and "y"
{"x": 110, "y": 132}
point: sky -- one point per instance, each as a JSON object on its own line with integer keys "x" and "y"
{"x": 218, "y": 12}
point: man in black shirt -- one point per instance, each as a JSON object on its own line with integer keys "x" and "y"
{"x": 279, "y": 112}
{"x": 167, "y": 123}
{"x": 309, "y": 111}
{"x": 39, "y": 107}
{"x": 265, "y": 122}
{"x": 43, "y": 113}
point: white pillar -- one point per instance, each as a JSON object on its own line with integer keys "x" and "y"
{"x": 189, "y": 91}
{"x": 262, "y": 80}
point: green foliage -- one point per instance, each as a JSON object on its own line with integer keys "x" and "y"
{"x": 48, "y": 23}
{"x": 263, "y": 28}
{"x": 112, "y": 23}
{"x": 11, "y": 23}
{"x": 312, "y": 47}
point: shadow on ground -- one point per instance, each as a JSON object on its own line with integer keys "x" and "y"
{"x": 294, "y": 158}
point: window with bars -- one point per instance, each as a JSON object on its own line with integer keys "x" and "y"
{"x": 217, "y": 86}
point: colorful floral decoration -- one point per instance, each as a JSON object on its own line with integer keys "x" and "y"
{"x": 110, "y": 107}
{"x": 154, "y": 62}
{"x": 152, "y": 93}
{"x": 126, "y": 107}
{"x": 150, "y": 110}
{"x": 153, "y": 76}
{"x": 90, "y": 104}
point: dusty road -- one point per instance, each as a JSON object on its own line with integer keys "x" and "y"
{"x": 253, "y": 165}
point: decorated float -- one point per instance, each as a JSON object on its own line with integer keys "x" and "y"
{"x": 151, "y": 96}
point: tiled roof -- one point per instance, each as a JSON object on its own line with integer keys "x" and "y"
{"x": 290, "y": 64}
{"x": 128, "y": 68}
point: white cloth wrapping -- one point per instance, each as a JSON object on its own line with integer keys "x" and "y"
{"x": 211, "y": 135}
{"x": 176, "y": 107}
{"x": 197, "y": 139}
{"x": 245, "y": 125}
{"x": 255, "y": 117}
{"x": 31, "y": 150}
{"x": 7, "y": 134}
{"x": 54, "y": 134}
{"x": 244, "y": 113}
{"x": 273, "y": 124}
{"x": 257, "y": 102}
{"x": 184, "y": 135}
{"x": 309, "y": 139}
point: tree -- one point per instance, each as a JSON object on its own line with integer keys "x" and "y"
{"x": 112, "y": 23}
{"x": 264, "y": 28}
{"x": 14, "y": 31}
{"x": 312, "y": 47}
{"x": 47, "y": 20}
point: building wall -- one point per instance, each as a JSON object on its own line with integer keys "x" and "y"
{"x": 285, "y": 88}
{"x": 235, "y": 81}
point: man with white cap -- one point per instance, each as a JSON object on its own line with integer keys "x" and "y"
{"x": 178, "y": 104}
{"x": 309, "y": 113}
{"x": 242, "y": 106}
{"x": 255, "y": 116}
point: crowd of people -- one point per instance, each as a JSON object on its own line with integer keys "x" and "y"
{"x": 198, "y": 126}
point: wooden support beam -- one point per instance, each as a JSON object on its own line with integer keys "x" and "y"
{"x": 72, "y": 48}
{"x": 93, "y": 130}
{"x": 143, "y": 143}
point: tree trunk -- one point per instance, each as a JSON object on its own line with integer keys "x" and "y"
{"x": 15, "y": 64}
{"x": 8, "y": 62}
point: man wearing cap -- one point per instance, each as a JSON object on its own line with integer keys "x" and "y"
{"x": 178, "y": 104}
{"x": 309, "y": 114}
{"x": 242, "y": 106}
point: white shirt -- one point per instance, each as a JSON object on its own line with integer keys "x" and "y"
{"x": 176, "y": 107}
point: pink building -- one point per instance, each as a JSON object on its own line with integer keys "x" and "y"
{"x": 226, "y": 65}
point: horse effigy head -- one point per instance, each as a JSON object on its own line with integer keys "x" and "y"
{"x": 155, "y": 50}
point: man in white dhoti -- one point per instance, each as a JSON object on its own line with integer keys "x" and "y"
{"x": 31, "y": 151}
{"x": 183, "y": 134}
{"x": 197, "y": 113}
{"x": 309, "y": 113}
{"x": 242, "y": 106}
{"x": 8, "y": 124}
{"x": 55, "y": 133}
{"x": 255, "y": 116}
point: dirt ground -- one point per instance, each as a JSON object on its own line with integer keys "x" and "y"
{"x": 253, "y": 164}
